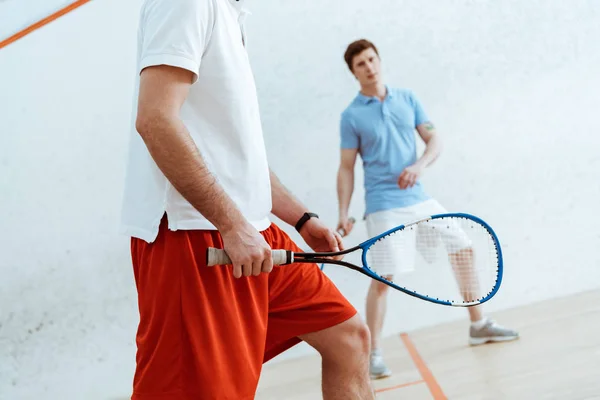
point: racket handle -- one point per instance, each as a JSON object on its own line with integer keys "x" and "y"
{"x": 220, "y": 257}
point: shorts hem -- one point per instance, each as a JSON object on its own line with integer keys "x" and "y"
{"x": 205, "y": 225}
{"x": 330, "y": 323}
{"x": 340, "y": 318}
{"x": 182, "y": 395}
{"x": 150, "y": 235}
{"x": 399, "y": 206}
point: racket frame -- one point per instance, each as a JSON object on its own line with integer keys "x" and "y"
{"x": 365, "y": 270}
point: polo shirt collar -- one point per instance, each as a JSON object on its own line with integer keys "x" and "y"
{"x": 368, "y": 99}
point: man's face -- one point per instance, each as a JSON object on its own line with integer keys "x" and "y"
{"x": 366, "y": 67}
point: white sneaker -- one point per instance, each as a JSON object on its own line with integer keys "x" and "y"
{"x": 377, "y": 368}
{"x": 491, "y": 332}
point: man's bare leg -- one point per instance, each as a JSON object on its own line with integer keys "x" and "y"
{"x": 376, "y": 308}
{"x": 464, "y": 269}
{"x": 482, "y": 329}
{"x": 344, "y": 350}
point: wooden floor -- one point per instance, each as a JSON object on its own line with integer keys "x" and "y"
{"x": 557, "y": 357}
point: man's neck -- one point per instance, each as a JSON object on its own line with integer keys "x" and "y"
{"x": 376, "y": 90}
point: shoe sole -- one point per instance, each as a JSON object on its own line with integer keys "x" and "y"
{"x": 478, "y": 341}
{"x": 381, "y": 376}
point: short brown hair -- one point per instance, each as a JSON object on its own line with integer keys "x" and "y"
{"x": 357, "y": 47}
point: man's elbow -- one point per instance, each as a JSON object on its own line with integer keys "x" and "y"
{"x": 143, "y": 125}
{"x": 434, "y": 141}
{"x": 345, "y": 171}
{"x": 148, "y": 122}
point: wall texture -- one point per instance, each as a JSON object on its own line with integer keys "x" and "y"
{"x": 512, "y": 86}
{"x": 15, "y": 15}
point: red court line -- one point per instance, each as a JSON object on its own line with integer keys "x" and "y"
{"x": 398, "y": 386}
{"x": 434, "y": 387}
{"x": 43, "y": 22}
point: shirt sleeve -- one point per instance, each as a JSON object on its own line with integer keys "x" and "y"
{"x": 176, "y": 33}
{"x": 420, "y": 115}
{"x": 349, "y": 136}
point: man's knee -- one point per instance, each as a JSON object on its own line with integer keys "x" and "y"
{"x": 462, "y": 257}
{"x": 353, "y": 341}
{"x": 360, "y": 336}
{"x": 348, "y": 340}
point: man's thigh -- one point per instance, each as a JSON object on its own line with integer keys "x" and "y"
{"x": 438, "y": 231}
{"x": 302, "y": 299}
{"x": 201, "y": 332}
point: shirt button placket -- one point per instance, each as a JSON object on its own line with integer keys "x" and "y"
{"x": 384, "y": 110}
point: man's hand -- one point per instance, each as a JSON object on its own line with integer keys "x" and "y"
{"x": 249, "y": 252}
{"x": 345, "y": 225}
{"x": 320, "y": 238}
{"x": 409, "y": 176}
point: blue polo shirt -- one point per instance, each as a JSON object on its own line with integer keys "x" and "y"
{"x": 384, "y": 134}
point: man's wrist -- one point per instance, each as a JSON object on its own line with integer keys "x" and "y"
{"x": 304, "y": 219}
{"x": 231, "y": 220}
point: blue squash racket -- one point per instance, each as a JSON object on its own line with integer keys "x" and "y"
{"x": 448, "y": 259}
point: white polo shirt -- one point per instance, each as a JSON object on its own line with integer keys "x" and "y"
{"x": 221, "y": 113}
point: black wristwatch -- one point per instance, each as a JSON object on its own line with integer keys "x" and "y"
{"x": 305, "y": 217}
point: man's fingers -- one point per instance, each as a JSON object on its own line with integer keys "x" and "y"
{"x": 332, "y": 240}
{"x": 267, "y": 264}
{"x": 257, "y": 267}
{"x": 247, "y": 269}
{"x": 413, "y": 179}
{"x": 407, "y": 180}
{"x": 340, "y": 242}
{"x": 237, "y": 271}
{"x": 403, "y": 183}
{"x": 337, "y": 246}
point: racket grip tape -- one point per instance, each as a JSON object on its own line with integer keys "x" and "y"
{"x": 220, "y": 257}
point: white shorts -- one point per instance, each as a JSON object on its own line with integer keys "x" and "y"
{"x": 398, "y": 253}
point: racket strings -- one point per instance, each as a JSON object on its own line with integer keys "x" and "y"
{"x": 452, "y": 259}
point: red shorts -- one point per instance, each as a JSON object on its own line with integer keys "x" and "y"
{"x": 204, "y": 334}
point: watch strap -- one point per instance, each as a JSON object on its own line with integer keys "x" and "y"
{"x": 304, "y": 219}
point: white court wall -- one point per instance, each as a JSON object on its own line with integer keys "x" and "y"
{"x": 513, "y": 88}
{"x": 16, "y": 16}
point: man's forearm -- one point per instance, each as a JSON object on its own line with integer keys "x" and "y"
{"x": 285, "y": 205}
{"x": 177, "y": 156}
{"x": 345, "y": 187}
{"x": 431, "y": 153}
